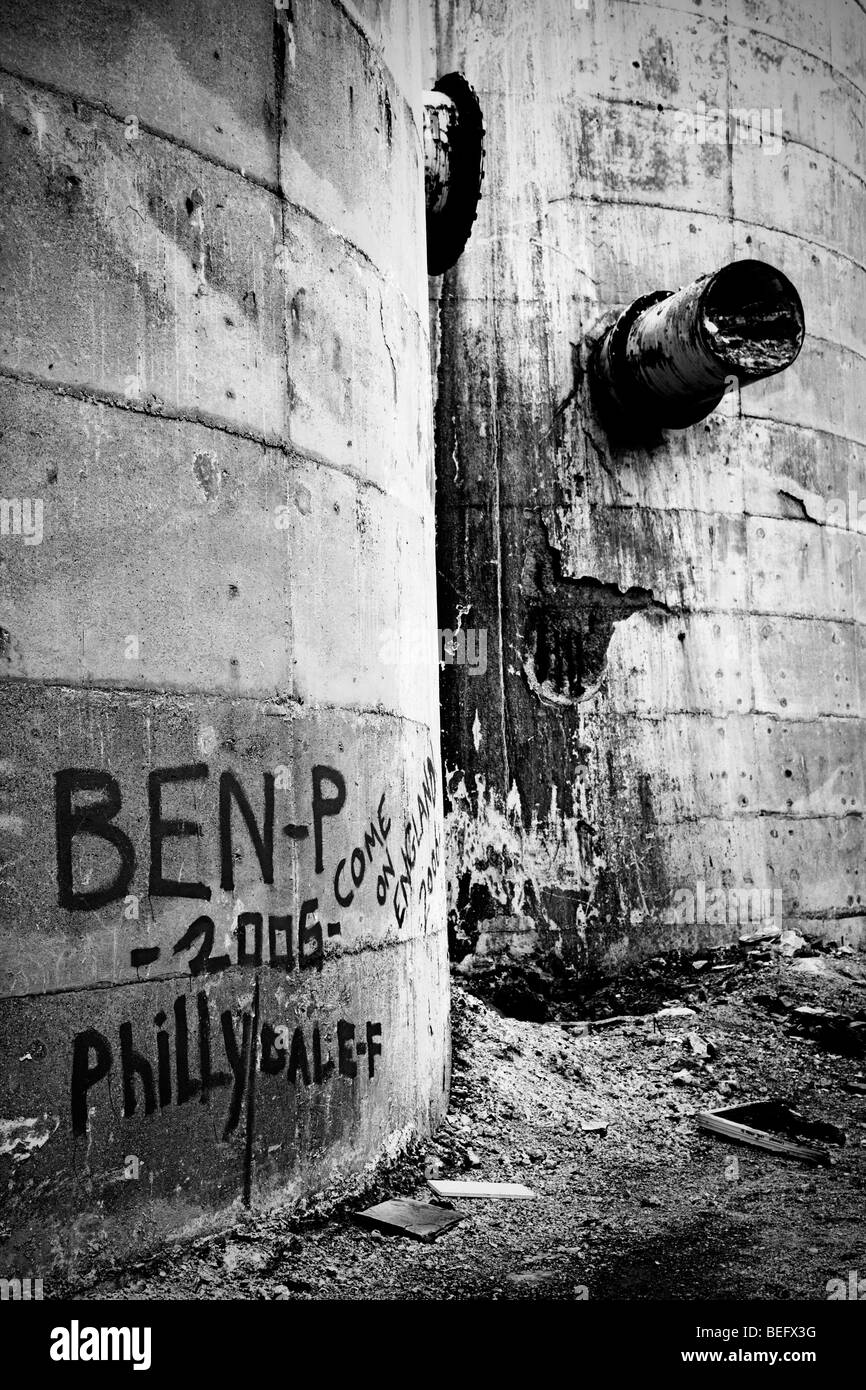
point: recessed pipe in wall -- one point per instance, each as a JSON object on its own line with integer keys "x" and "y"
{"x": 670, "y": 356}
{"x": 453, "y": 168}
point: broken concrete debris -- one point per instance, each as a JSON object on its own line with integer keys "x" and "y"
{"x": 405, "y": 1216}
{"x": 446, "y": 1188}
{"x": 776, "y": 1114}
{"x": 838, "y": 1031}
{"x": 790, "y": 942}
{"x": 531, "y": 1276}
{"x": 758, "y": 1139}
{"x": 673, "y": 1013}
{"x": 593, "y": 1195}
{"x": 732, "y": 1122}
{"x": 598, "y": 1025}
{"x": 809, "y": 965}
{"x": 760, "y": 938}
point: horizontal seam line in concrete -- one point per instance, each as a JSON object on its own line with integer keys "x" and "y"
{"x": 831, "y": 158}
{"x": 789, "y": 425}
{"x": 784, "y": 425}
{"x": 817, "y": 914}
{"x": 824, "y": 914}
{"x": 605, "y": 305}
{"x": 743, "y": 614}
{"x": 805, "y": 240}
{"x": 599, "y": 504}
{"x": 728, "y": 23}
{"x": 656, "y": 509}
{"x": 840, "y": 347}
{"x": 762, "y": 613}
{"x": 274, "y": 189}
{"x": 42, "y": 84}
{"x": 593, "y": 199}
{"x": 801, "y": 425}
{"x": 113, "y": 400}
{"x": 199, "y": 980}
{"x": 764, "y": 419}
{"x": 763, "y": 813}
{"x": 271, "y": 702}
{"x": 832, "y": 343}
{"x": 663, "y": 106}
{"x": 742, "y": 716}
{"x": 676, "y": 712}
{"x": 797, "y": 48}
{"x": 657, "y": 105}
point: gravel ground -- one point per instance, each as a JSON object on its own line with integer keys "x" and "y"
{"x": 652, "y": 1209}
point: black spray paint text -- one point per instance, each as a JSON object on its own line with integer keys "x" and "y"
{"x": 177, "y": 1075}
{"x": 288, "y": 947}
{"x": 96, "y": 816}
{"x": 413, "y": 836}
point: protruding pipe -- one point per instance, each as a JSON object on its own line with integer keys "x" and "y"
{"x": 670, "y": 356}
{"x": 453, "y": 168}
{"x": 440, "y": 127}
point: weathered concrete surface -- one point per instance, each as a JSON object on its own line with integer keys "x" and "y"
{"x": 231, "y": 552}
{"x": 318, "y": 1110}
{"x": 675, "y": 644}
{"x": 222, "y": 944}
{"x": 380, "y": 759}
{"x": 200, "y": 74}
{"x": 334, "y": 166}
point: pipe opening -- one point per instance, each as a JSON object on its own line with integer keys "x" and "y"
{"x": 752, "y": 319}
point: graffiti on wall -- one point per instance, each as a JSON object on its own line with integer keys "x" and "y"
{"x": 181, "y": 1073}
{"x": 193, "y": 1050}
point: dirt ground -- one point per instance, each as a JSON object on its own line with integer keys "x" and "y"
{"x": 651, "y": 1209}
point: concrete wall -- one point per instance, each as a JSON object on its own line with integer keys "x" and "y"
{"x": 222, "y": 918}
{"x": 676, "y": 644}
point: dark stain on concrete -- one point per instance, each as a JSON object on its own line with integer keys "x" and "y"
{"x": 206, "y": 471}
{"x": 570, "y": 622}
{"x": 657, "y": 61}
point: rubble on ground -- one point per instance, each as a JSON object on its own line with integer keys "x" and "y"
{"x": 632, "y": 1199}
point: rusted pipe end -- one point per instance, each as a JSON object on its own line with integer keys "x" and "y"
{"x": 670, "y": 357}
{"x": 453, "y": 168}
{"x": 752, "y": 320}
{"x": 440, "y": 126}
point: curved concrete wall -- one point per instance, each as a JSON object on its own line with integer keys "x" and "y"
{"x": 223, "y": 959}
{"x": 674, "y": 699}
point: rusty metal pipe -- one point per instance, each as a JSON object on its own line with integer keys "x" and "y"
{"x": 440, "y": 128}
{"x": 670, "y": 356}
